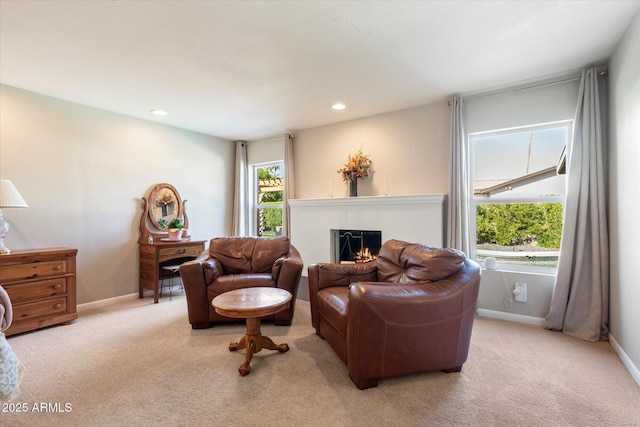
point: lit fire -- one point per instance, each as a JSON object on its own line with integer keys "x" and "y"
{"x": 363, "y": 256}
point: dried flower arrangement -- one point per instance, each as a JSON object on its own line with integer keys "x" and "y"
{"x": 357, "y": 167}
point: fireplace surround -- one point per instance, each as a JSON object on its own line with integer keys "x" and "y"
{"x": 412, "y": 218}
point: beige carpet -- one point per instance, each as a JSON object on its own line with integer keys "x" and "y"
{"x": 140, "y": 364}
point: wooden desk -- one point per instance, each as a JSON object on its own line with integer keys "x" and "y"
{"x": 41, "y": 284}
{"x": 154, "y": 255}
{"x": 252, "y": 303}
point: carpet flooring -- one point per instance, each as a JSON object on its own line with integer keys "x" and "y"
{"x": 140, "y": 364}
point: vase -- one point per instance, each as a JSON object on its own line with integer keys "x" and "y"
{"x": 353, "y": 187}
{"x": 175, "y": 234}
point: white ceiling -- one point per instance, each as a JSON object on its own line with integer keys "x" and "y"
{"x": 241, "y": 70}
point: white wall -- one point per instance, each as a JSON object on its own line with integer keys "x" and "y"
{"x": 83, "y": 172}
{"x": 496, "y": 293}
{"x": 408, "y": 147}
{"x": 624, "y": 193}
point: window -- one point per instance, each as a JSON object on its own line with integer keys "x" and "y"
{"x": 519, "y": 190}
{"x": 268, "y": 194}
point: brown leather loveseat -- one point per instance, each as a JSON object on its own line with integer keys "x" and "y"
{"x": 409, "y": 311}
{"x": 240, "y": 262}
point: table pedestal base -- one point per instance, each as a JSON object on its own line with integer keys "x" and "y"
{"x": 253, "y": 342}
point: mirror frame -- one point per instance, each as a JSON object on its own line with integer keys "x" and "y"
{"x": 149, "y": 226}
{"x": 155, "y": 194}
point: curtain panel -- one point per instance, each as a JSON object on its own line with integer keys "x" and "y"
{"x": 459, "y": 183}
{"x": 241, "y": 192}
{"x": 289, "y": 185}
{"x": 580, "y": 300}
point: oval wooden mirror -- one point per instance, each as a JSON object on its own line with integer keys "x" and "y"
{"x": 162, "y": 205}
{"x": 165, "y": 204}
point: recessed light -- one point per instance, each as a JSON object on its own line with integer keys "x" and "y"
{"x": 338, "y": 106}
{"x": 159, "y": 112}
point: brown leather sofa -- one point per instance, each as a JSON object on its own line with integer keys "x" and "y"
{"x": 240, "y": 262}
{"x": 409, "y": 311}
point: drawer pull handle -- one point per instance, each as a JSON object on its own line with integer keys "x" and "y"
{"x": 181, "y": 251}
{"x": 57, "y": 306}
{"x": 56, "y": 287}
{"x": 57, "y": 268}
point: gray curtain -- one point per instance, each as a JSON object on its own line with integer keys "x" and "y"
{"x": 241, "y": 193}
{"x": 580, "y": 301}
{"x": 289, "y": 184}
{"x": 459, "y": 183}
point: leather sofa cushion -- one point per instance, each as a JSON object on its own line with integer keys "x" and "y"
{"x": 239, "y": 255}
{"x": 333, "y": 305}
{"x": 407, "y": 263}
{"x": 237, "y": 281}
{"x": 346, "y": 274}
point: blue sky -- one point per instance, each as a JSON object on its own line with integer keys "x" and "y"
{"x": 509, "y": 156}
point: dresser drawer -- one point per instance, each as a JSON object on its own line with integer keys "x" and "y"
{"x": 41, "y": 284}
{"x": 38, "y": 309}
{"x": 33, "y": 270}
{"x": 165, "y": 254}
{"x": 36, "y": 290}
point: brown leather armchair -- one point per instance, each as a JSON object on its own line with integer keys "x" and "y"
{"x": 409, "y": 311}
{"x": 240, "y": 262}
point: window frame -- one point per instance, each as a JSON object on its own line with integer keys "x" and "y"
{"x": 254, "y": 191}
{"x": 474, "y": 200}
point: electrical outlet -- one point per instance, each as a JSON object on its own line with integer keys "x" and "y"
{"x": 520, "y": 292}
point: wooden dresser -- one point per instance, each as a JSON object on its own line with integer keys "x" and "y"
{"x": 41, "y": 284}
{"x": 154, "y": 255}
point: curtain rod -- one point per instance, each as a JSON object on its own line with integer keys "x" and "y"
{"x": 508, "y": 91}
{"x": 601, "y": 72}
{"x": 270, "y": 138}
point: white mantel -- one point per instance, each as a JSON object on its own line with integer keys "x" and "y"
{"x": 414, "y": 218}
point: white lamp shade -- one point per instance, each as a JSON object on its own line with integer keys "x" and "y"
{"x": 9, "y": 195}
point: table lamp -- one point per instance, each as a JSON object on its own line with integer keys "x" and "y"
{"x": 9, "y": 198}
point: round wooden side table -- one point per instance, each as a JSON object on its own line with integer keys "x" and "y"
{"x": 252, "y": 304}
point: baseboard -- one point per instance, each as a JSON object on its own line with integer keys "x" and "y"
{"x": 511, "y": 317}
{"x": 105, "y": 302}
{"x": 626, "y": 361}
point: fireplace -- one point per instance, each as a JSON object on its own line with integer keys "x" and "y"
{"x": 355, "y": 246}
{"x": 416, "y": 218}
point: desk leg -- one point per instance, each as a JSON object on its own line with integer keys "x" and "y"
{"x": 253, "y": 342}
{"x": 245, "y": 368}
{"x": 269, "y": 345}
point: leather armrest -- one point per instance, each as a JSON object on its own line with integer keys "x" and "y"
{"x": 194, "y": 281}
{"x": 286, "y": 272}
{"x": 419, "y": 303}
{"x": 327, "y": 275}
{"x": 408, "y": 304}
